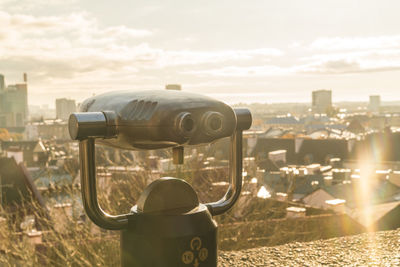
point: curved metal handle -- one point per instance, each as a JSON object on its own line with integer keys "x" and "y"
{"x": 89, "y": 190}
{"x": 235, "y": 174}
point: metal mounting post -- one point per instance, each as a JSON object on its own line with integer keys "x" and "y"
{"x": 89, "y": 190}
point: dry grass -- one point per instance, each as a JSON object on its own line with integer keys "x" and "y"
{"x": 81, "y": 243}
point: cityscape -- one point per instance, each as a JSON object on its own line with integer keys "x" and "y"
{"x": 303, "y": 164}
{"x": 204, "y": 134}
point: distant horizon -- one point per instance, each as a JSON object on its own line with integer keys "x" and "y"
{"x": 249, "y": 99}
{"x": 233, "y": 99}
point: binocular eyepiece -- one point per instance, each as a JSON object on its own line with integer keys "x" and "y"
{"x": 155, "y": 119}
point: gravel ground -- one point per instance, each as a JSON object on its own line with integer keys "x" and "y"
{"x": 370, "y": 249}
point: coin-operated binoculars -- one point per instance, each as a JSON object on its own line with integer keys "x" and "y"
{"x": 168, "y": 226}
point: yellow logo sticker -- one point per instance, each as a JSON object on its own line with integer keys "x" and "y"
{"x": 203, "y": 254}
{"x": 195, "y": 246}
{"x": 187, "y": 257}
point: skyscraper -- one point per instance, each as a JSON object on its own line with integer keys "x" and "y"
{"x": 374, "y": 103}
{"x": 13, "y": 105}
{"x": 2, "y": 84}
{"x": 64, "y": 107}
{"x": 321, "y": 101}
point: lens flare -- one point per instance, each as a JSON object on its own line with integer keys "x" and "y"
{"x": 365, "y": 187}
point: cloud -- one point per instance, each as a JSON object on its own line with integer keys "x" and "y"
{"x": 30, "y": 5}
{"x": 187, "y": 57}
{"x": 340, "y": 66}
{"x": 243, "y": 71}
{"x": 343, "y": 55}
{"x": 338, "y": 56}
{"x": 351, "y": 56}
{"x": 72, "y": 44}
{"x": 356, "y": 43}
{"x": 74, "y": 52}
{"x": 64, "y": 45}
{"x": 316, "y": 67}
{"x": 350, "y": 67}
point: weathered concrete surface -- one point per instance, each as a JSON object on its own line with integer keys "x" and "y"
{"x": 370, "y": 249}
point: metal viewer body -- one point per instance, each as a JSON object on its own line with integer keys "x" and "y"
{"x": 168, "y": 226}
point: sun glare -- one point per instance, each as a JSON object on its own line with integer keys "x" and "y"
{"x": 263, "y": 193}
{"x": 363, "y": 191}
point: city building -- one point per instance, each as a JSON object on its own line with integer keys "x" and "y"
{"x": 41, "y": 112}
{"x": 64, "y": 107}
{"x": 46, "y": 130}
{"x": 31, "y": 153}
{"x": 13, "y": 104}
{"x": 2, "y": 82}
{"x": 285, "y": 122}
{"x": 321, "y": 101}
{"x": 374, "y": 103}
{"x": 176, "y": 87}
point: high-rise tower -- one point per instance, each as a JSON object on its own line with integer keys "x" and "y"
{"x": 321, "y": 101}
{"x": 2, "y": 83}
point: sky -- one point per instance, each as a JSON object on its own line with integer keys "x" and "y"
{"x": 237, "y": 51}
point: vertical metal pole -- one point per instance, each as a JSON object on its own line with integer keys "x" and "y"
{"x": 1, "y": 192}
